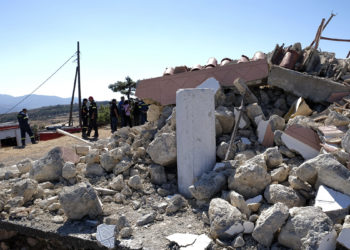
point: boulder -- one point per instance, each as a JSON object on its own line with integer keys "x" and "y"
{"x": 80, "y": 200}
{"x": 69, "y": 170}
{"x": 25, "y": 165}
{"x": 94, "y": 169}
{"x": 158, "y": 175}
{"x": 117, "y": 183}
{"x": 345, "y": 142}
{"x": 26, "y": 188}
{"x": 280, "y": 173}
{"x": 162, "y": 149}
{"x": 122, "y": 166}
{"x": 223, "y": 216}
{"x": 48, "y": 168}
{"x": 176, "y": 203}
{"x": 250, "y": 178}
{"x": 269, "y": 222}
{"x": 208, "y": 185}
{"x": 135, "y": 182}
{"x": 308, "y": 228}
{"x": 279, "y": 193}
{"x": 226, "y": 119}
{"x": 238, "y": 201}
{"x": 108, "y": 162}
{"x": 273, "y": 157}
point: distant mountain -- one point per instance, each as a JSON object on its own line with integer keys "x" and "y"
{"x": 32, "y": 102}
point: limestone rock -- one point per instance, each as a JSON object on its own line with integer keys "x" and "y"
{"x": 280, "y": 173}
{"x": 308, "y": 228}
{"x": 218, "y": 128}
{"x": 92, "y": 157}
{"x": 336, "y": 119}
{"x": 226, "y": 119}
{"x": 163, "y": 149}
{"x": 80, "y": 200}
{"x": 107, "y": 162}
{"x": 158, "y": 175}
{"x": 135, "y": 182}
{"x": 273, "y": 157}
{"x": 25, "y": 165}
{"x": 345, "y": 142}
{"x": 250, "y": 178}
{"x": 221, "y": 150}
{"x": 269, "y": 222}
{"x": 48, "y": 168}
{"x": 344, "y": 236}
{"x": 208, "y": 185}
{"x": 69, "y": 170}
{"x": 94, "y": 169}
{"x": 238, "y": 201}
{"x": 25, "y": 188}
{"x": 9, "y": 172}
{"x": 279, "y": 193}
{"x": 254, "y": 110}
{"x": 176, "y": 203}
{"x": 146, "y": 219}
{"x": 82, "y": 149}
{"x": 277, "y": 134}
{"x": 122, "y": 166}
{"x": 153, "y": 112}
{"x": 298, "y": 184}
{"x": 277, "y": 122}
{"x": 222, "y": 216}
{"x": 117, "y": 183}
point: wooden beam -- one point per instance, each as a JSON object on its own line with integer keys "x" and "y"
{"x": 335, "y": 39}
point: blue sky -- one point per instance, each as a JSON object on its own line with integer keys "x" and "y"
{"x": 142, "y": 38}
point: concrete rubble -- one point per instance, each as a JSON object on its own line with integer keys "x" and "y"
{"x": 162, "y": 185}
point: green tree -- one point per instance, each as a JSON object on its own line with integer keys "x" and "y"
{"x": 126, "y": 88}
{"x": 103, "y": 115}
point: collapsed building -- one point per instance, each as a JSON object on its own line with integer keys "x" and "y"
{"x": 245, "y": 154}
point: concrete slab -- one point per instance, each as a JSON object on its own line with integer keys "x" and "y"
{"x": 195, "y": 132}
{"x": 243, "y": 89}
{"x": 182, "y": 239}
{"x": 105, "y": 234}
{"x": 302, "y": 140}
{"x": 330, "y": 200}
{"x": 163, "y": 89}
{"x": 314, "y": 88}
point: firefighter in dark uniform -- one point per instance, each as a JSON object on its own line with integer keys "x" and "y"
{"x": 22, "y": 118}
{"x": 92, "y": 117}
{"x": 84, "y": 117}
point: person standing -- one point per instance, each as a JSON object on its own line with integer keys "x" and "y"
{"x": 84, "y": 117}
{"x": 127, "y": 110}
{"x": 136, "y": 112}
{"x": 22, "y": 118}
{"x": 114, "y": 115}
{"x": 143, "y": 111}
{"x": 122, "y": 111}
{"x": 92, "y": 117}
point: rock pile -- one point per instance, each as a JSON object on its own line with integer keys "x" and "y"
{"x": 286, "y": 183}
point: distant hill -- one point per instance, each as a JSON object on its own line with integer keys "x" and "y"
{"x": 32, "y": 102}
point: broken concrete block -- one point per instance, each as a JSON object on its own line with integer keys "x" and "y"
{"x": 226, "y": 119}
{"x": 253, "y": 111}
{"x": 265, "y": 134}
{"x": 302, "y": 140}
{"x": 244, "y": 121}
{"x": 195, "y": 132}
{"x": 208, "y": 185}
{"x": 105, "y": 235}
{"x": 309, "y": 87}
{"x": 331, "y": 201}
{"x": 82, "y": 149}
{"x": 344, "y": 236}
{"x": 238, "y": 201}
{"x": 163, "y": 149}
{"x": 245, "y": 91}
{"x": 299, "y": 107}
{"x": 9, "y": 172}
{"x": 279, "y": 193}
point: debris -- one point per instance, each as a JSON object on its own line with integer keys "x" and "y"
{"x": 344, "y": 236}
{"x": 105, "y": 234}
{"x": 299, "y": 107}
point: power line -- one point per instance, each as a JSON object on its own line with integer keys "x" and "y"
{"x": 27, "y": 96}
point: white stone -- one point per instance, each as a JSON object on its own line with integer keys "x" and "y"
{"x": 248, "y": 227}
{"x": 82, "y": 149}
{"x": 210, "y": 83}
{"x": 235, "y": 229}
{"x": 182, "y": 239}
{"x": 256, "y": 199}
{"x": 202, "y": 242}
{"x": 195, "y": 132}
{"x": 330, "y": 200}
{"x": 344, "y": 236}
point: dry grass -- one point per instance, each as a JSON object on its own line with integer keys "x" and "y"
{"x": 12, "y": 155}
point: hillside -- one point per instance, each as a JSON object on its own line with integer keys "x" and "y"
{"x": 34, "y": 101}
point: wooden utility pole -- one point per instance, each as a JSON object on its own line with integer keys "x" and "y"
{"x": 70, "y": 123}
{"x": 79, "y": 89}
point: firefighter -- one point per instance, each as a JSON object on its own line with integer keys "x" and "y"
{"x": 92, "y": 118}
{"x": 84, "y": 117}
{"x": 22, "y": 118}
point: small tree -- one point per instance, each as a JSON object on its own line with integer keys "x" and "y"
{"x": 126, "y": 88}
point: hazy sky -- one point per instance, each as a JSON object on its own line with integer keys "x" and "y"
{"x": 142, "y": 38}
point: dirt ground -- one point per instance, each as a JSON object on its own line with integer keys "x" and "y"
{"x": 12, "y": 155}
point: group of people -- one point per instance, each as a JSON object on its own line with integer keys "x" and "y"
{"x": 129, "y": 114}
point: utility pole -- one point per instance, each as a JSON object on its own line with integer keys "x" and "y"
{"x": 79, "y": 90}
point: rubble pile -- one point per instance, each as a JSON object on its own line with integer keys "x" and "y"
{"x": 286, "y": 183}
